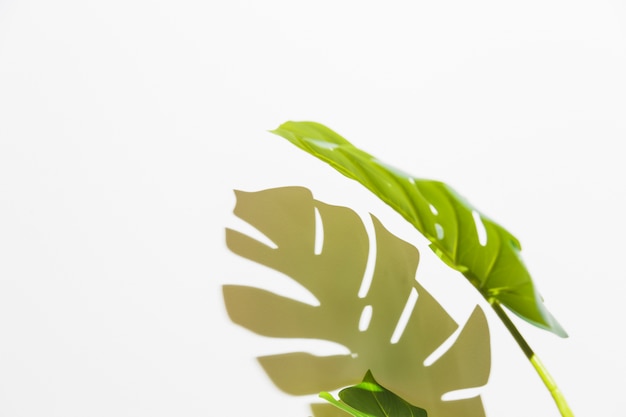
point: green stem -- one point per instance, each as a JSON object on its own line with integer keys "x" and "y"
{"x": 559, "y": 399}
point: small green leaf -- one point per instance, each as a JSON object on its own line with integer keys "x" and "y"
{"x": 492, "y": 264}
{"x": 342, "y": 406}
{"x": 370, "y": 399}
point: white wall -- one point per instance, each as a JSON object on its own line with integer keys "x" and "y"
{"x": 125, "y": 126}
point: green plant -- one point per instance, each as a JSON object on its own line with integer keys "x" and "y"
{"x": 492, "y": 264}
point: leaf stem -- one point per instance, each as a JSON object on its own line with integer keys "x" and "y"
{"x": 547, "y": 379}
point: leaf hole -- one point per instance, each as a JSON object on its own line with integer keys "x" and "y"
{"x": 366, "y": 318}
{"x": 439, "y": 230}
{"x": 316, "y": 347}
{"x": 433, "y": 209}
{"x": 319, "y": 233}
{"x": 480, "y": 228}
{"x": 404, "y": 317}
{"x": 461, "y": 394}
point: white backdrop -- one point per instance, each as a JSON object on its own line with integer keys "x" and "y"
{"x": 125, "y": 126}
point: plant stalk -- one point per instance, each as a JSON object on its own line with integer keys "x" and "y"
{"x": 547, "y": 379}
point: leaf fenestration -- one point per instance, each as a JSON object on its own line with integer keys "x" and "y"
{"x": 446, "y": 219}
{"x": 286, "y": 216}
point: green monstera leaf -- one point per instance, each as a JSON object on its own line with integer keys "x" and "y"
{"x": 414, "y": 362}
{"x": 493, "y": 265}
{"x": 370, "y": 399}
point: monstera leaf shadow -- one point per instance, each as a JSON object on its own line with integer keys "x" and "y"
{"x": 411, "y": 366}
